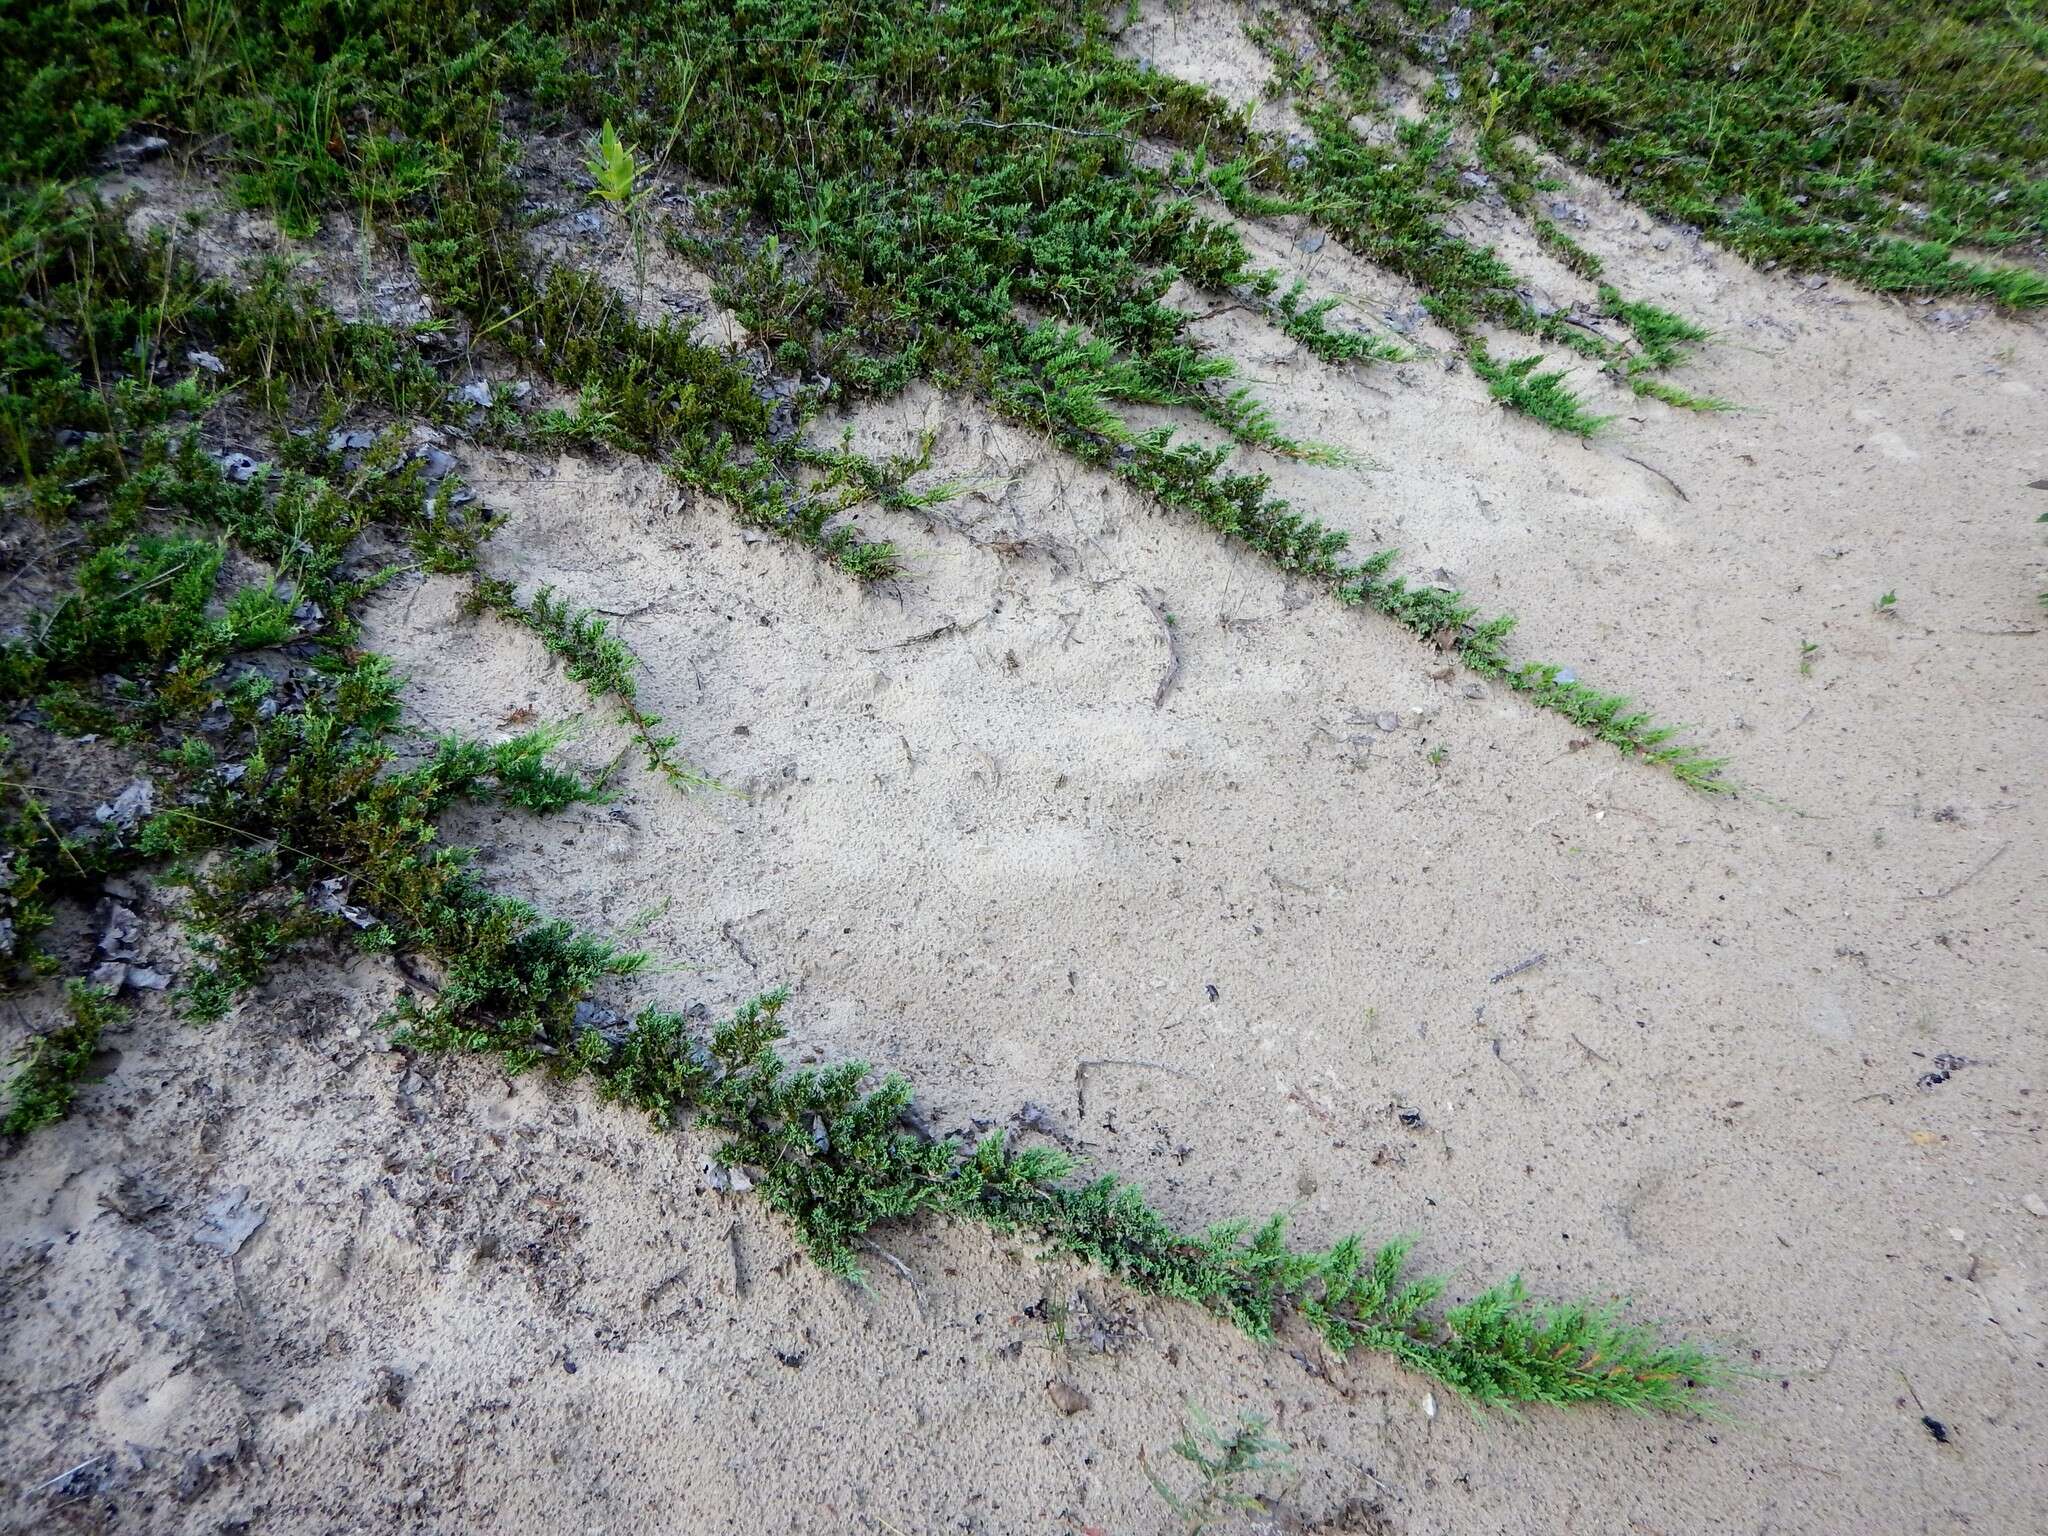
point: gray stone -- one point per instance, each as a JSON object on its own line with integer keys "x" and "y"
{"x": 129, "y": 807}
{"x": 228, "y": 1221}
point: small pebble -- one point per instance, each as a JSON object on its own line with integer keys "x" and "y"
{"x": 1389, "y": 721}
{"x": 1067, "y": 1397}
{"x": 146, "y": 147}
{"x": 1959, "y": 1234}
{"x": 2036, "y": 1204}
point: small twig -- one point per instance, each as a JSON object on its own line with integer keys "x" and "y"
{"x": 1081, "y": 1075}
{"x": 1079, "y": 133}
{"x": 916, "y": 1299}
{"x": 1653, "y": 469}
{"x": 1418, "y": 799}
{"x": 950, "y": 627}
{"x": 1589, "y": 1050}
{"x": 1528, "y": 1089}
{"x": 1911, "y": 1388}
{"x": 1950, "y": 890}
{"x": 70, "y": 1472}
{"x": 62, "y": 846}
{"x": 1520, "y": 966}
{"x": 34, "y": 561}
{"x": 739, "y": 1268}
{"x": 135, "y": 591}
{"x": 725, "y": 932}
{"x": 1156, "y": 601}
{"x": 2014, "y": 629}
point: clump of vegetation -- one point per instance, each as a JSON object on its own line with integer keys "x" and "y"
{"x": 1223, "y": 1463}
{"x": 1543, "y": 394}
{"x": 600, "y": 661}
{"x": 1309, "y": 324}
{"x": 52, "y": 1064}
{"x": 1872, "y": 140}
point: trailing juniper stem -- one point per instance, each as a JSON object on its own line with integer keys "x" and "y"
{"x": 835, "y": 1159}
{"x": 597, "y": 659}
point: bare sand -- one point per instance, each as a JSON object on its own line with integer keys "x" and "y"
{"x": 1777, "y": 1077}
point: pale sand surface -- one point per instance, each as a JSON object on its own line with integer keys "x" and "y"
{"x": 964, "y": 827}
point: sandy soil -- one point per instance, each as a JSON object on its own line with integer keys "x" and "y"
{"x": 1777, "y": 1076}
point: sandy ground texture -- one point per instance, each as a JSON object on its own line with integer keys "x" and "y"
{"x": 1223, "y": 900}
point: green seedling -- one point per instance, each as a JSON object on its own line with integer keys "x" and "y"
{"x": 1225, "y": 1465}
{"x": 617, "y": 173}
